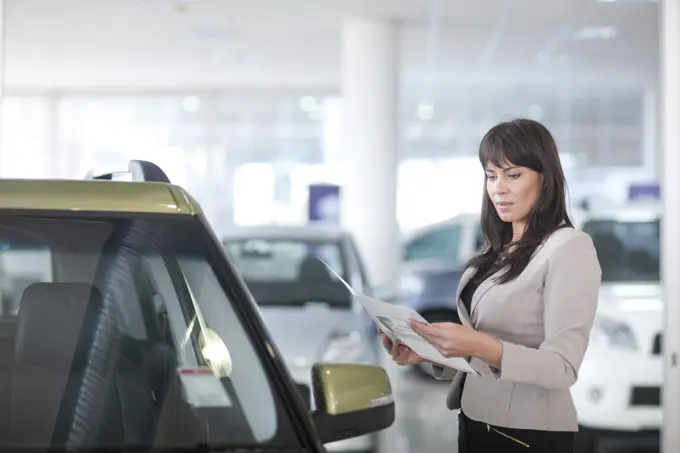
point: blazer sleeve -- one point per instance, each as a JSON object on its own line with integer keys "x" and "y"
{"x": 570, "y": 295}
{"x": 443, "y": 373}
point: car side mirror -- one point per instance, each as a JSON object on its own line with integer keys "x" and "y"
{"x": 351, "y": 400}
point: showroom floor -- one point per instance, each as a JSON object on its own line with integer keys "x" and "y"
{"x": 424, "y": 424}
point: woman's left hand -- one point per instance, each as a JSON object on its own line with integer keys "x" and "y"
{"x": 450, "y": 339}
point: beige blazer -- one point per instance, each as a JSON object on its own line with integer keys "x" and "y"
{"x": 543, "y": 318}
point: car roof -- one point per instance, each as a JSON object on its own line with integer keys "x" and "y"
{"x": 96, "y": 196}
{"x": 459, "y": 219}
{"x": 626, "y": 212}
{"x": 312, "y": 232}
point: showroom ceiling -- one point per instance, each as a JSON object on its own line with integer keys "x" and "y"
{"x": 581, "y": 66}
{"x": 101, "y": 44}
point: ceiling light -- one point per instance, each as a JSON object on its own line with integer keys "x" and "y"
{"x": 191, "y": 104}
{"x": 425, "y": 111}
{"x": 597, "y": 32}
{"x": 308, "y": 103}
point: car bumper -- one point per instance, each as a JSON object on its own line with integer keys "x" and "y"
{"x": 619, "y": 391}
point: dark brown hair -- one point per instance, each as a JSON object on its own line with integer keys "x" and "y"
{"x": 523, "y": 143}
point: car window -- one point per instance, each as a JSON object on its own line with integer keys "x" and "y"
{"x": 127, "y": 323}
{"x": 479, "y": 238}
{"x": 441, "y": 243}
{"x": 628, "y": 251}
{"x": 288, "y": 271}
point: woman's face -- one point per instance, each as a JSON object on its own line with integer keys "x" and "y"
{"x": 513, "y": 190}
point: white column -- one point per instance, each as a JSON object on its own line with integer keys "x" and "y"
{"x": 370, "y": 149}
{"x": 650, "y": 116}
{"x": 332, "y": 129}
{"x": 669, "y": 98}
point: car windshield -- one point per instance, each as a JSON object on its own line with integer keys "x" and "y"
{"x": 126, "y": 333}
{"x": 288, "y": 272}
{"x": 628, "y": 251}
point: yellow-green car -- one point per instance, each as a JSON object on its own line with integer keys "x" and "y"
{"x": 124, "y": 326}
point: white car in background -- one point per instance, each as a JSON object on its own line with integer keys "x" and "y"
{"x": 618, "y": 392}
{"x": 309, "y": 312}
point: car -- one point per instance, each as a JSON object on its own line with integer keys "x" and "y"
{"x": 455, "y": 239}
{"x": 618, "y": 391}
{"x": 433, "y": 259}
{"x": 309, "y": 311}
{"x": 125, "y": 326}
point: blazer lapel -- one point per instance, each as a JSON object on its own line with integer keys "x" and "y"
{"x": 462, "y": 311}
{"x": 484, "y": 287}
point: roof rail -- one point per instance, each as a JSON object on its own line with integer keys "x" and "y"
{"x": 138, "y": 171}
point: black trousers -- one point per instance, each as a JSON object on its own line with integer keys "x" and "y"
{"x": 477, "y": 437}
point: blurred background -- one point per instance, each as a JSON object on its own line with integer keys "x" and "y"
{"x": 366, "y": 115}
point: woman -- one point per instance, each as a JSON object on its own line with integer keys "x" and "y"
{"x": 527, "y": 304}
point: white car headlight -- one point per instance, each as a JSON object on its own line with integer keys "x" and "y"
{"x": 344, "y": 347}
{"x": 608, "y": 332}
{"x": 409, "y": 285}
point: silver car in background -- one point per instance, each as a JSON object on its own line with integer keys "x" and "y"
{"x": 309, "y": 311}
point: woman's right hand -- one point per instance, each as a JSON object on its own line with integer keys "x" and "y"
{"x": 401, "y": 354}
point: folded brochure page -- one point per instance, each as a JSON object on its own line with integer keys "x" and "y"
{"x": 393, "y": 320}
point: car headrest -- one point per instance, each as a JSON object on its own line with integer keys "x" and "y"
{"x": 314, "y": 271}
{"x": 55, "y": 319}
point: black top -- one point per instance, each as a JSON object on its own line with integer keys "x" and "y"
{"x": 466, "y": 295}
{"x": 470, "y": 288}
